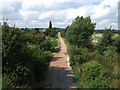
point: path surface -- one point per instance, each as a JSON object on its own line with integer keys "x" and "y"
{"x": 59, "y": 74}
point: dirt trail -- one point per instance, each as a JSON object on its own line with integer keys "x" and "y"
{"x": 59, "y": 74}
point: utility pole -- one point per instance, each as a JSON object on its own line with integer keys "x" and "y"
{"x": 118, "y": 17}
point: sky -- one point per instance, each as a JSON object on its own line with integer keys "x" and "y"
{"x": 38, "y": 13}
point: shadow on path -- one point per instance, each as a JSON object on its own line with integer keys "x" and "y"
{"x": 59, "y": 78}
{"x": 59, "y": 74}
{"x": 56, "y": 58}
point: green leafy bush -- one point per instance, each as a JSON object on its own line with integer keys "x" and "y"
{"x": 105, "y": 41}
{"x": 116, "y": 43}
{"x": 95, "y": 66}
{"x": 53, "y": 32}
{"x": 6, "y": 82}
{"x": 92, "y": 76}
{"x": 46, "y": 45}
{"x": 63, "y": 32}
{"x": 78, "y": 55}
{"x": 26, "y": 56}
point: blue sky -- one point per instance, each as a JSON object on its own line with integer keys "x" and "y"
{"x": 96, "y": 3}
{"x": 37, "y": 13}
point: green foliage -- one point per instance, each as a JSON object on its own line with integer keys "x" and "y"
{"x": 55, "y": 43}
{"x": 111, "y": 58}
{"x": 46, "y": 45}
{"x": 112, "y": 31}
{"x": 6, "y": 82}
{"x": 91, "y": 76}
{"x": 94, "y": 70}
{"x": 78, "y": 55}
{"x": 80, "y": 31}
{"x": 94, "y": 66}
{"x": 63, "y": 32}
{"x": 116, "y": 43}
{"x": 47, "y": 32}
{"x": 10, "y": 45}
{"x": 110, "y": 51}
{"x": 5, "y": 25}
{"x": 53, "y": 32}
{"x": 109, "y": 69}
{"x": 105, "y": 41}
{"x": 26, "y": 56}
{"x": 50, "y": 25}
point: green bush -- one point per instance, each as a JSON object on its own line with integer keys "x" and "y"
{"x": 95, "y": 66}
{"x": 95, "y": 70}
{"x": 6, "y": 82}
{"x": 63, "y": 32}
{"x": 116, "y": 43}
{"x": 55, "y": 43}
{"x": 78, "y": 55}
{"x": 46, "y": 45}
{"x": 92, "y": 76}
{"x": 26, "y": 56}
{"x": 105, "y": 41}
{"x": 53, "y": 32}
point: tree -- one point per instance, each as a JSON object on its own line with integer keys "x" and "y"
{"x": 53, "y": 32}
{"x": 48, "y": 31}
{"x": 63, "y": 32}
{"x": 105, "y": 41}
{"x": 116, "y": 43}
{"x": 50, "y": 25}
{"x": 24, "y": 53}
{"x": 80, "y": 31}
{"x": 5, "y": 26}
{"x": 37, "y": 29}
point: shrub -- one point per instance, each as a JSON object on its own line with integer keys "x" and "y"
{"x": 92, "y": 76}
{"x": 62, "y": 32}
{"x": 53, "y": 32}
{"x": 6, "y": 82}
{"x": 46, "y": 45}
{"x": 105, "y": 41}
{"x": 26, "y": 56}
{"x": 116, "y": 43}
{"x": 78, "y": 55}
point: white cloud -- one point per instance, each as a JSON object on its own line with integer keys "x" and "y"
{"x": 10, "y": 1}
{"x": 54, "y": 15}
{"x": 72, "y": 13}
{"x": 106, "y": 23}
{"x": 105, "y": 8}
{"x": 60, "y": 12}
{"x": 30, "y": 15}
{"x": 41, "y": 4}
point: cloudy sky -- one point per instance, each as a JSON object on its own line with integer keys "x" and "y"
{"x": 37, "y": 13}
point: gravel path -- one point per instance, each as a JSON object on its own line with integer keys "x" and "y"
{"x": 59, "y": 74}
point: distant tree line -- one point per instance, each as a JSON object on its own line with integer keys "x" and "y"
{"x": 113, "y": 31}
{"x": 51, "y": 31}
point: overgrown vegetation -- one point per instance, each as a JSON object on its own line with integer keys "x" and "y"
{"x": 51, "y": 31}
{"x": 80, "y": 31}
{"x": 105, "y": 41}
{"x": 25, "y": 57}
{"x": 112, "y": 31}
{"x": 95, "y": 66}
